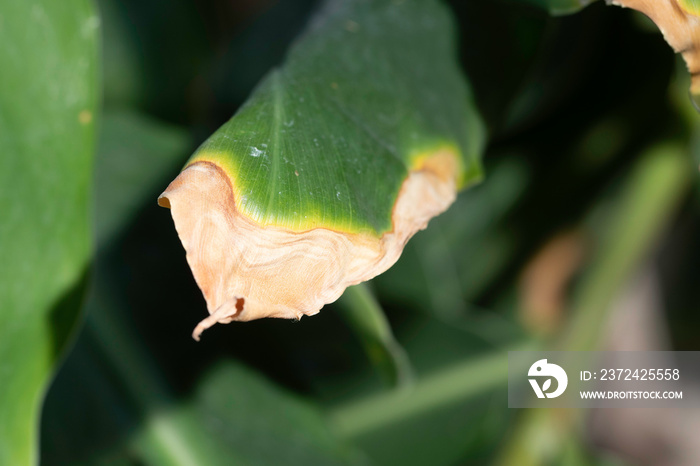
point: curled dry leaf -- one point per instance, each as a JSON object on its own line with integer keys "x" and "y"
{"x": 335, "y": 161}
{"x": 248, "y": 271}
{"x": 679, "y": 22}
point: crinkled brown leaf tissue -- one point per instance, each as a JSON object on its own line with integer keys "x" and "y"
{"x": 335, "y": 161}
{"x": 247, "y": 271}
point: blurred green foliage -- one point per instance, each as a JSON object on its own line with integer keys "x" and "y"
{"x": 590, "y": 131}
{"x": 48, "y": 106}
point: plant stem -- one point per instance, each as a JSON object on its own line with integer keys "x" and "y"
{"x": 654, "y": 189}
{"x": 444, "y": 387}
{"x": 361, "y": 311}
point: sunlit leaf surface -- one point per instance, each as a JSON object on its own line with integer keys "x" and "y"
{"x": 328, "y": 138}
{"x": 339, "y": 157}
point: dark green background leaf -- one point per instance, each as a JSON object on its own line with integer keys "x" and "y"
{"x": 111, "y": 392}
{"x": 560, "y": 7}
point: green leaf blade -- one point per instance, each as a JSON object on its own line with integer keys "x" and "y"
{"x": 338, "y": 158}
{"x": 48, "y": 55}
{"x": 328, "y": 139}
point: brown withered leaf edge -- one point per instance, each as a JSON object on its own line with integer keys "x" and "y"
{"x": 247, "y": 271}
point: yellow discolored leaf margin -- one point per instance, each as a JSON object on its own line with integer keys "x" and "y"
{"x": 249, "y": 271}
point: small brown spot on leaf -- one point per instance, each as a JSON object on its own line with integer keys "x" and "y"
{"x": 85, "y": 117}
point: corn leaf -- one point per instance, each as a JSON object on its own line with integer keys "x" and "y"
{"x": 48, "y": 53}
{"x": 339, "y": 156}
